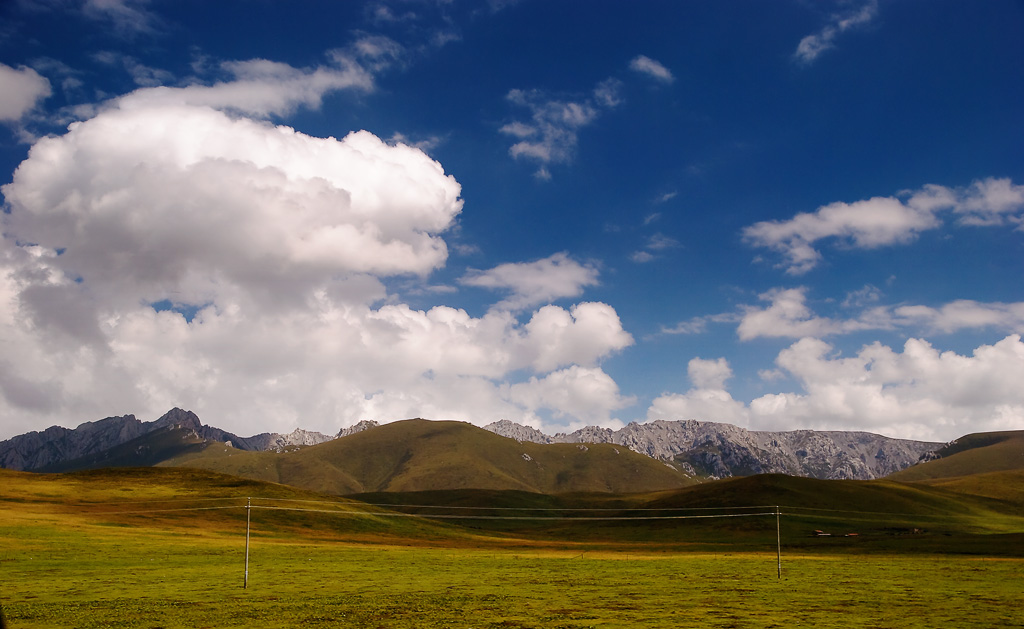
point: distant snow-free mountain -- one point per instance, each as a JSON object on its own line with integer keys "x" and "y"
{"x": 700, "y": 450}
{"x": 716, "y": 450}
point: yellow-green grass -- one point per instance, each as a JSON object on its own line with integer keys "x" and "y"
{"x": 70, "y": 558}
{"x": 1006, "y": 486}
{"x": 153, "y": 575}
{"x": 859, "y": 516}
{"x": 971, "y": 454}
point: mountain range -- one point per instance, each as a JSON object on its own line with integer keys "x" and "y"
{"x": 88, "y": 444}
{"x": 714, "y": 450}
{"x": 692, "y": 449}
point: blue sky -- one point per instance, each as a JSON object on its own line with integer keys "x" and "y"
{"x": 780, "y": 215}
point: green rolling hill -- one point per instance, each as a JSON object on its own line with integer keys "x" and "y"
{"x": 976, "y": 453}
{"x": 420, "y": 455}
{"x": 970, "y": 499}
{"x": 989, "y": 465}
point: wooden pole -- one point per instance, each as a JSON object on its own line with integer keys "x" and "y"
{"x": 778, "y": 540}
{"x": 248, "y": 513}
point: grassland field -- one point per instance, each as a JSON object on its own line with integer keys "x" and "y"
{"x": 75, "y": 551}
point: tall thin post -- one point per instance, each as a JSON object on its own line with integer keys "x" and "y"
{"x": 248, "y": 513}
{"x": 778, "y": 540}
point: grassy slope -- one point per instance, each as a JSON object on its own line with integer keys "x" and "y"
{"x": 1007, "y": 486}
{"x": 972, "y": 454}
{"x": 185, "y": 500}
{"x": 75, "y": 552}
{"x": 989, "y": 465}
{"x": 149, "y": 576}
{"x": 887, "y": 516}
{"x": 881, "y": 511}
{"x": 419, "y": 455}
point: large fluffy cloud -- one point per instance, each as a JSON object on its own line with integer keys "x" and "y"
{"x": 706, "y": 400}
{"x": 582, "y": 335}
{"x": 166, "y": 253}
{"x": 181, "y": 203}
{"x": 586, "y": 395}
{"x": 919, "y": 393}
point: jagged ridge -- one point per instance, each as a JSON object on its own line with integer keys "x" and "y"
{"x": 57, "y": 445}
{"x": 723, "y": 450}
{"x": 702, "y": 449}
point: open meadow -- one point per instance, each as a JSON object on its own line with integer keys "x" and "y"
{"x": 73, "y": 556}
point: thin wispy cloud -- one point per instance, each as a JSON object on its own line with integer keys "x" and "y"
{"x": 533, "y": 283}
{"x": 550, "y": 134}
{"x": 666, "y": 197}
{"x": 652, "y": 69}
{"x": 128, "y": 16}
{"x": 656, "y": 243}
{"x": 789, "y": 315}
{"x": 641, "y": 257}
{"x": 660, "y": 242}
{"x": 812, "y": 46}
{"x": 699, "y": 325}
{"x": 259, "y": 87}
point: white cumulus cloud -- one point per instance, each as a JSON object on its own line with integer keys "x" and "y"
{"x": 919, "y": 393}
{"x": 963, "y": 314}
{"x": 883, "y": 221}
{"x": 181, "y": 202}
{"x": 538, "y": 282}
{"x": 164, "y": 253}
{"x": 707, "y": 400}
{"x": 588, "y": 395}
{"x": 788, "y": 315}
{"x": 582, "y": 335}
{"x": 709, "y": 374}
{"x": 20, "y": 90}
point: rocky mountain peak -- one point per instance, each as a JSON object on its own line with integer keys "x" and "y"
{"x": 512, "y": 430}
{"x": 365, "y": 424}
{"x": 298, "y": 437}
{"x": 178, "y": 418}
